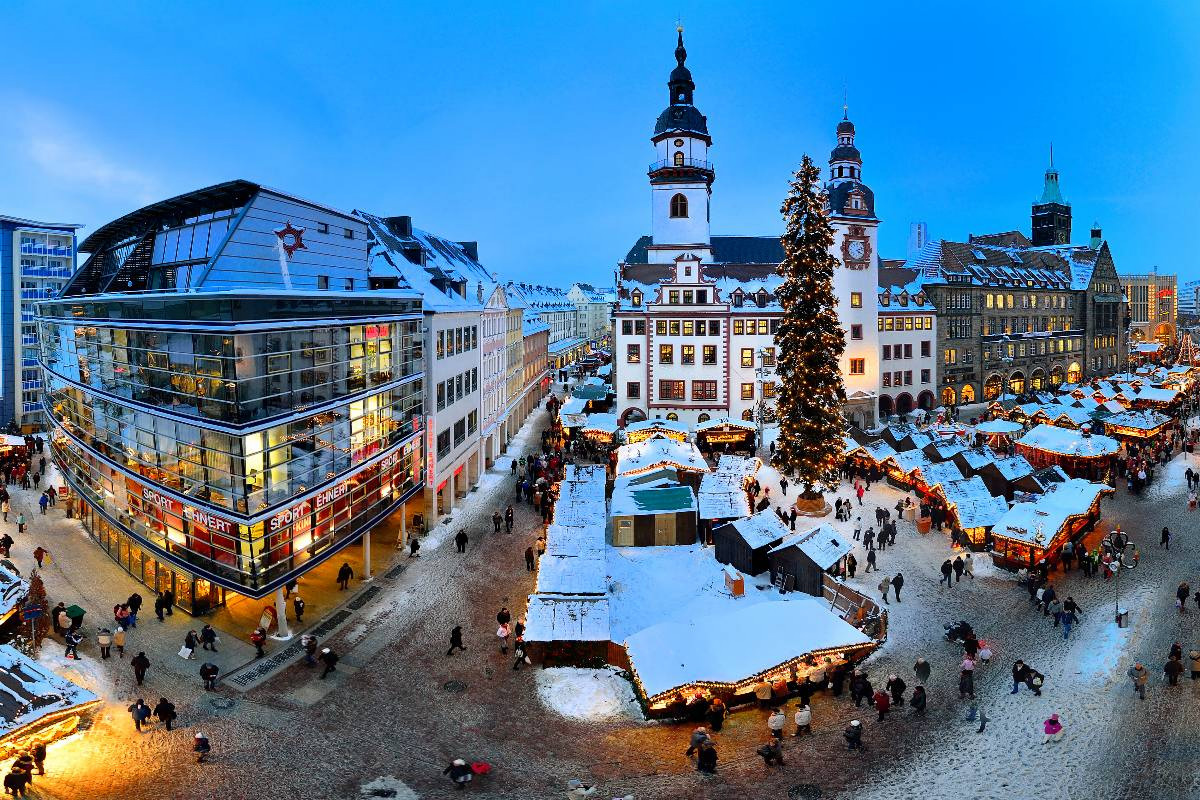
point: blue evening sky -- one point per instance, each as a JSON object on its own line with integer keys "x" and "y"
{"x": 525, "y": 126}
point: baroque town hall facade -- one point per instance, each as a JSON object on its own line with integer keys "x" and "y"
{"x": 696, "y": 314}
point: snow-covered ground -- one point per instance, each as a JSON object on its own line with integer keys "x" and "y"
{"x": 588, "y": 694}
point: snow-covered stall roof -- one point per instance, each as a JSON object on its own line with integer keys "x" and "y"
{"x": 606, "y": 423}
{"x": 630, "y": 500}
{"x": 659, "y": 451}
{"x": 878, "y": 450}
{"x": 943, "y": 451}
{"x": 1153, "y": 395}
{"x": 582, "y": 574}
{"x": 1037, "y": 523}
{"x": 753, "y": 639}
{"x": 998, "y": 426}
{"x": 941, "y": 473}
{"x": 761, "y": 529}
{"x": 722, "y": 492}
{"x": 574, "y": 540}
{"x": 1013, "y": 468}
{"x": 657, "y": 425}
{"x": 573, "y": 405}
{"x": 29, "y": 692}
{"x": 1068, "y": 442}
{"x": 823, "y": 545}
{"x": 973, "y": 503}
{"x": 551, "y": 618}
{"x": 1147, "y": 420}
{"x": 722, "y": 422}
{"x": 910, "y": 460}
{"x": 1148, "y": 347}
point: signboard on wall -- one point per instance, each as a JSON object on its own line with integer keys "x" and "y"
{"x": 430, "y": 451}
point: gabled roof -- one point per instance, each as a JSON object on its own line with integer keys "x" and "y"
{"x": 725, "y": 250}
{"x": 823, "y": 545}
{"x": 761, "y": 530}
{"x": 983, "y": 264}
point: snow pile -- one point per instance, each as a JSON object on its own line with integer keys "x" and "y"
{"x": 587, "y": 694}
{"x": 387, "y": 786}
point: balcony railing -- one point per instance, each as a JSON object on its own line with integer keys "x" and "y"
{"x": 43, "y": 250}
{"x": 693, "y": 163}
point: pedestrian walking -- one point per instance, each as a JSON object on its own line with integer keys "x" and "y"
{"x": 1194, "y": 657}
{"x": 39, "y": 554}
{"x": 43, "y": 501}
{"x": 959, "y": 568}
{"x": 1165, "y": 539}
{"x": 135, "y": 606}
{"x": 775, "y": 723}
{"x": 1138, "y": 674}
{"x": 882, "y": 703}
{"x": 1173, "y": 669}
{"x": 200, "y": 747}
{"x": 104, "y": 641}
{"x": 258, "y": 638}
{"x": 947, "y": 569}
{"x": 502, "y": 633}
{"x": 851, "y": 564}
{"x": 706, "y": 760}
{"x": 897, "y": 585}
{"x": 165, "y": 711}
{"x": 413, "y": 546}
{"x": 803, "y": 719}
{"x": 1181, "y": 597}
{"x": 870, "y": 562}
{"x": 966, "y": 683}
{"x": 771, "y": 752}
{"x": 298, "y": 606}
{"x": 140, "y": 664}
{"x": 969, "y": 566}
{"x": 160, "y": 607}
{"x": 15, "y": 781}
{"x": 896, "y": 687}
{"x": 169, "y": 602}
{"x": 208, "y": 674}
{"x": 119, "y": 641}
{"x": 140, "y": 713}
{"x": 460, "y": 541}
{"x": 857, "y": 528}
{"x": 853, "y": 735}
{"x": 21, "y": 522}
{"x": 1068, "y": 618}
{"x": 329, "y": 659}
{"x": 884, "y": 586}
{"x": 1052, "y": 730}
{"x": 496, "y": 520}
{"x": 918, "y": 701}
{"x": 921, "y": 670}
{"x": 73, "y": 640}
{"x": 529, "y": 559}
{"x": 344, "y": 574}
{"x": 38, "y": 751}
{"x": 189, "y": 645}
{"x": 309, "y": 643}
{"x": 519, "y": 651}
{"x": 698, "y": 737}
{"x": 456, "y": 641}
{"x": 4, "y": 509}
{"x": 509, "y": 517}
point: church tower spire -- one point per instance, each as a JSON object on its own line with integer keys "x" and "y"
{"x": 1051, "y": 213}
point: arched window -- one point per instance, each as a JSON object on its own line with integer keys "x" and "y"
{"x": 968, "y": 394}
{"x": 679, "y": 206}
{"x": 1074, "y": 373}
{"x": 679, "y": 158}
{"x": 991, "y": 387}
{"x": 673, "y": 417}
{"x": 748, "y": 415}
{"x": 636, "y": 297}
{"x": 703, "y": 418}
{"x": 948, "y": 396}
{"x": 1016, "y": 383}
{"x": 1056, "y": 376}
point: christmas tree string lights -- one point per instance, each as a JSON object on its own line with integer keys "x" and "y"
{"x": 810, "y": 339}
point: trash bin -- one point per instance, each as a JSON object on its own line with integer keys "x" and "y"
{"x": 924, "y": 524}
{"x": 1122, "y": 618}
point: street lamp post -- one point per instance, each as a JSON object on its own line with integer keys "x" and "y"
{"x": 1123, "y": 555}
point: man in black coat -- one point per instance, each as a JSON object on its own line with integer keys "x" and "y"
{"x": 344, "y": 575}
{"x": 508, "y": 519}
{"x": 208, "y": 674}
{"x": 947, "y": 569}
{"x": 898, "y": 584}
{"x": 460, "y": 541}
{"x": 1020, "y": 674}
{"x": 140, "y": 664}
{"x": 329, "y": 659}
{"x": 496, "y": 520}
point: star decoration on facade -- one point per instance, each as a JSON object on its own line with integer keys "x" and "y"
{"x": 292, "y": 239}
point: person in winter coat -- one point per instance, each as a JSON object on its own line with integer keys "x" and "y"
{"x": 959, "y": 567}
{"x": 706, "y": 759}
{"x": 104, "y": 640}
{"x": 1067, "y": 618}
{"x": 15, "y": 781}
{"x": 896, "y": 685}
{"x": 882, "y": 703}
{"x": 119, "y": 641}
{"x": 969, "y": 566}
{"x": 518, "y": 651}
{"x": 208, "y": 638}
{"x": 165, "y": 711}
{"x": 870, "y": 562}
{"x": 502, "y": 633}
{"x": 496, "y": 520}
{"x": 716, "y": 714}
{"x": 947, "y": 570}
{"x": 140, "y": 664}
{"x": 459, "y": 772}
{"x": 309, "y": 643}
{"x": 414, "y": 545}
{"x": 189, "y": 643}
{"x": 208, "y": 674}
{"x": 884, "y": 586}
{"x": 160, "y": 607}
{"x": 140, "y": 713}
{"x": 918, "y": 701}
{"x": 775, "y": 723}
{"x": 771, "y": 752}
{"x": 1048, "y": 596}
{"x": 344, "y": 574}
{"x": 329, "y": 659}
{"x": 1052, "y": 730}
{"x": 897, "y": 585}
{"x": 456, "y": 641}
{"x": 699, "y": 737}
{"x": 853, "y": 735}
{"x": 1173, "y": 669}
{"x": 851, "y": 565}
{"x": 966, "y": 684}
{"x": 73, "y": 640}
{"x": 39, "y": 756}
{"x": 529, "y": 560}
{"x": 460, "y": 541}
{"x": 298, "y": 607}
{"x": 921, "y": 670}
{"x": 258, "y": 638}
{"x": 803, "y": 720}
{"x": 1194, "y": 657}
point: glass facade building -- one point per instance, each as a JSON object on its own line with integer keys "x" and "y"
{"x": 229, "y": 438}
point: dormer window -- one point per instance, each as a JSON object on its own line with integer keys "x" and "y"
{"x": 679, "y": 206}
{"x": 884, "y": 299}
{"x": 679, "y": 158}
{"x": 761, "y": 298}
{"x": 738, "y": 298}
{"x": 636, "y": 297}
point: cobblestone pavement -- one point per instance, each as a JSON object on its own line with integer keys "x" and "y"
{"x": 398, "y": 706}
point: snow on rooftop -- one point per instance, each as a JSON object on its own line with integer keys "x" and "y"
{"x": 1155, "y": 395}
{"x": 822, "y": 544}
{"x": 582, "y": 574}
{"x": 659, "y": 451}
{"x": 1146, "y": 420}
{"x": 973, "y": 503}
{"x": 29, "y": 691}
{"x": 1038, "y": 522}
{"x": 1013, "y": 467}
{"x": 721, "y": 422}
{"x": 761, "y": 529}
{"x": 601, "y": 422}
{"x": 657, "y": 425}
{"x": 998, "y": 426}
{"x": 552, "y": 618}
{"x": 633, "y": 500}
{"x": 753, "y": 639}
{"x": 722, "y": 492}
{"x": 944, "y": 472}
{"x": 1068, "y": 442}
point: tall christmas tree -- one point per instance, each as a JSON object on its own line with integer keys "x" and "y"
{"x": 810, "y": 339}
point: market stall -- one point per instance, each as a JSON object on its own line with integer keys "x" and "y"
{"x": 644, "y": 516}
{"x": 722, "y": 495}
{"x": 1081, "y": 454}
{"x": 600, "y": 429}
{"x": 641, "y": 431}
{"x": 725, "y": 435}
{"x": 661, "y": 451}
{"x": 37, "y": 705}
{"x": 972, "y": 509}
{"x": 997, "y": 433}
{"x": 1029, "y": 533}
{"x": 799, "y": 561}
{"x": 1144, "y": 426}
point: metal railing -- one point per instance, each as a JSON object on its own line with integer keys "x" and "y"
{"x": 693, "y": 163}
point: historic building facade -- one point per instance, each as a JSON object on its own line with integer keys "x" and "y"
{"x": 907, "y": 328}
{"x": 696, "y": 315}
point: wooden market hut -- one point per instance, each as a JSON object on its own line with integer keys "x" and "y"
{"x": 37, "y": 704}
{"x": 1003, "y": 475}
{"x": 722, "y": 495}
{"x": 1081, "y": 454}
{"x": 799, "y": 562}
{"x": 661, "y": 451}
{"x": 744, "y": 543}
{"x": 1032, "y": 532}
{"x": 736, "y": 435}
{"x": 972, "y": 509}
{"x": 648, "y": 428}
{"x": 645, "y": 516}
{"x": 1137, "y": 426}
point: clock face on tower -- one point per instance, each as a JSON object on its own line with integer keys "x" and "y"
{"x": 856, "y": 249}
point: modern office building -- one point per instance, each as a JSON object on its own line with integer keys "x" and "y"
{"x": 36, "y": 261}
{"x": 1154, "y": 306}
{"x": 1189, "y": 299}
{"x": 235, "y": 390}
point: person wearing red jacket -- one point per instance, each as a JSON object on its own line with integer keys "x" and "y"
{"x": 882, "y": 702}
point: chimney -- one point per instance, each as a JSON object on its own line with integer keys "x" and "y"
{"x": 471, "y": 249}
{"x": 478, "y": 291}
{"x": 1097, "y": 236}
{"x": 399, "y": 226}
